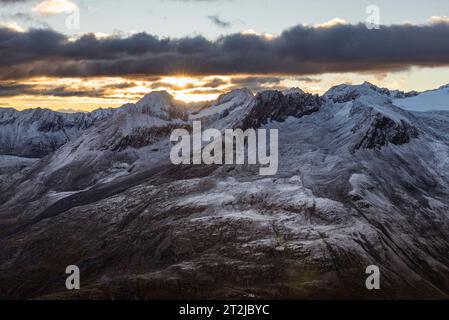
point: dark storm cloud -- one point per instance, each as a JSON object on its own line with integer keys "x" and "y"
{"x": 121, "y": 85}
{"x": 214, "y": 83}
{"x": 11, "y": 89}
{"x": 299, "y": 50}
{"x": 250, "y": 81}
{"x": 257, "y": 83}
{"x": 206, "y": 91}
{"x": 60, "y": 91}
{"x": 308, "y": 79}
{"x": 211, "y": 83}
{"x": 170, "y": 86}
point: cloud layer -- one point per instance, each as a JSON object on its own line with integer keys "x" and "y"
{"x": 11, "y": 1}
{"x": 300, "y": 50}
{"x": 53, "y": 7}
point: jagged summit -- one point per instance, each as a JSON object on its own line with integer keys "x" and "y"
{"x": 155, "y": 98}
{"x": 162, "y": 105}
{"x": 273, "y": 105}
{"x": 35, "y": 133}
{"x": 347, "y": 92}
{"x": 223, "y": 106}
{"x": 239, "y": 94}
{"x": 292, "y": 91}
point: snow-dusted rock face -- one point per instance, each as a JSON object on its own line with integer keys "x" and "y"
{"x": 109, "y": 144}
{"x": 232, "y": 102}
{"x": 361, "y": 182}
{"x": 345, "y": 93}
{"x": 275, "y": 106}
{"x": 160, "y": 104}
{"x": 382, "y": 130}
{"x": 377, "y": 122}
{"x": 35, "y": 133}
{"x": 131, "y": 140}
{"x": 12, "y": 168}
{"x": 388, "y": 92}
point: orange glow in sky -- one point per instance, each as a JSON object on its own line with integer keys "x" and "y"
{"x": 93, "y": 93}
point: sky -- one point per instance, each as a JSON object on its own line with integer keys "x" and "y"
{"x": 86, "y": 54}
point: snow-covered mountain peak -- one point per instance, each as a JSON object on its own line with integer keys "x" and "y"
{"x": 446, "y": 86}
{"x": 372, "y": 86}
{"x": 155, "y": 98}
{"x": 225, "y": 104}
{"x": 159, "y": 104}
{"x": 294, "y": 90}
{"x": 273, "y": 105}
{"x": 367, "y": 92}
{"x": 374, "y": 120}
{"x": 237, "y": 94}
{"x": 394, "y": 94}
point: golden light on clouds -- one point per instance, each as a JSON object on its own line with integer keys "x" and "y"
{"x": 87, "y": 94}
{"x": 92, "y": 93}
{"x": 331, "y": 23}
{"x": 13, "y": 25}
{"x": 53, "y": 7}
{"x": 194, "y": 89}
{"x": 439, "y": 19}
{"x": 105, "y": 92}
{"x": 266, "y": 36}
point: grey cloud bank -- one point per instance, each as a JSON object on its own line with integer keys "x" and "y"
{"x": 300, "y": 50}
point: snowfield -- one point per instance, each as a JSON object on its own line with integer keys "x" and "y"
{"x": 433, "y": 100}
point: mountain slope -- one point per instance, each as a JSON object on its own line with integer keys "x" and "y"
{"x": 361, "y": 182}
{"x": 133, "y": 138}
{"x": 433, "y": 100}
{"x": 35, "y": 133}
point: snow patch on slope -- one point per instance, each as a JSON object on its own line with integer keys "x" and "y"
{"x": 227, "y": 102}
{"x": 434, "y": 100}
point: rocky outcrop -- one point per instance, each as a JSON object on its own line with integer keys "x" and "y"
{"x": 275, "y": 106}
{"x": 144, "y": 136}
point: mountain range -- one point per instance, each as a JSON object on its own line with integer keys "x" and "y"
{"x": 363, "y": 180}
